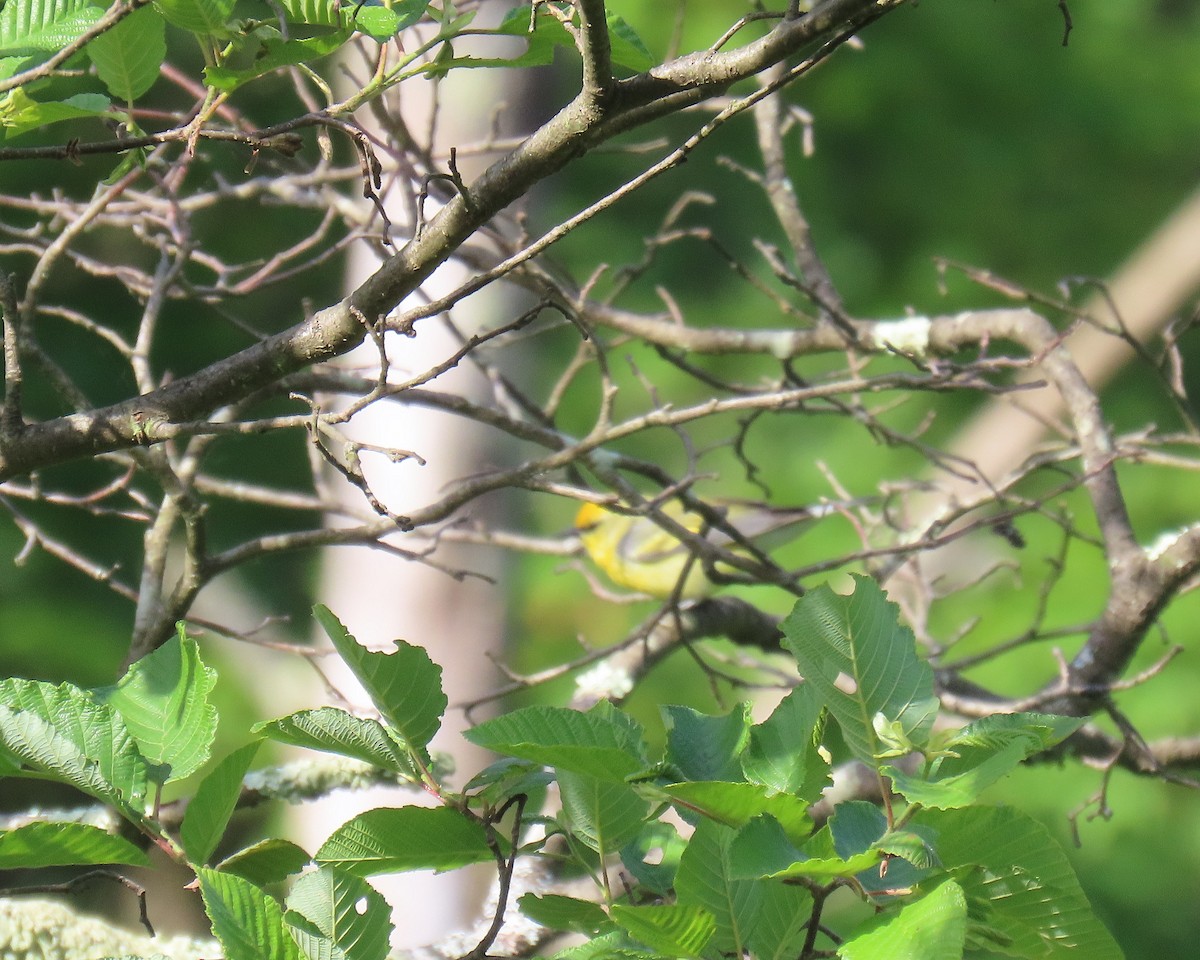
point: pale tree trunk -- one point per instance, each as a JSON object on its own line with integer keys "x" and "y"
{"x": 380, "y": 596}
{"x": 1142, "y": 297}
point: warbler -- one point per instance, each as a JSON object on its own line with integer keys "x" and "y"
{"x": 635, "y": 552}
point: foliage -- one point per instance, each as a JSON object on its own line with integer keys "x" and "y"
{"x": 751, "y": 874}
{"x": 186, "y": 178}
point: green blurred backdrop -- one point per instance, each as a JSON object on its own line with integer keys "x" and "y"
{"x": 963, "y": 129}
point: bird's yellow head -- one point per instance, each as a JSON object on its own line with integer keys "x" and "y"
{"x": 589, "y": 516}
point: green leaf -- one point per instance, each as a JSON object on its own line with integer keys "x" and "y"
{"x": 671, "y": 929}
{"x": 863, "y": 664}
{"x": 627, "y": 47}
{"x": 129, "y": 57}
{"x": 319, "y": 13}
{"x": 389, "y": 840}
{"x": 931, "y": 928}
{"x": 63, "y": 731}
{"x": 374, "y": 18}
{"x": 860, "y": 829}
{"x": 610, "y": 946}
{"x": 783, "y": 752}
{"x": 603, "y": 743}
{"x": 979, "y": 754}
{"x": 604, "y": 815}
{"x": 856, "y": 826}
{"x": 336, "y": 731}
{"x": 736, "y": 804}
{"x": 20, "y": 113}
{"x": 209, "y": 811}
{"x": 268, "y": 861}
{"x": 41, "y": 25}
{"x": 405, "y": 685}
{"x": 957, "y": 790}
{"x": 276, "y": 53}
{"x": 204, "y": 17}
{"x": 704, "y": 747}
{"x": 652, "y": 857}
{"x": 564, "y": 913}
{"x": 762, "y": 849}
{"x": 164, "y": 699}
{"x": 500, "y": 781}
{"x": 705, "y": 880}
{"x": 547, "y": 35}
{"x": 1024, "y": 886}
{"x": 338, "y": 916}
{"x": 247, "y": 921}
{"x": 784, "y": 912}
{"x": 64, "y": 844}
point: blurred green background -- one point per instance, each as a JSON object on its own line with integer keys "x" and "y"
{"x": 963, "y": 129}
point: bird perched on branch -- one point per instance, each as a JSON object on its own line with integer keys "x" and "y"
{"x": 637, "y": 553}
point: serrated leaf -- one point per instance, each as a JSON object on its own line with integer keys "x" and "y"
{"x": 204, "y": 17}
{"x": 389, "y": 840}
{"x": 247, "y": 921}
{"x": 333, "y": 730}
{"x": 670, "y": 929}
{"x": 268, "y": 861}
{"x": 1025, "y": 886}
{"x": 216, "y": 798}
{"x": 784, "y": 912}
{"x": 64, "y": 844}
{"x": 276, "y": 53}
{"x": 610, "y": 946}
{"x": 568, "y": 914}
{"x": 930, "y": 928}
{"x": 762, "y": 849}
{"x": 374, "y": 18}
{"x": 980, "y": 753}
{"x": 405, "y": 685}
{"x": 652, "y": 857}
{"x": 19, "y": 113}
{"x": 603, "y": 743}
{"x": 340, "y": 916}
{"x": 43, "y": 25}
{"x": 63, "y": 731}
{"x": 129, "y": 57}
{"x": 736, "y": 804}
{"x": 505, "y": 778}
{"x": 860, "y": 829}
{"x": 705, "y": 880}
{"x": 704, "y": 747}
{"x": 999, "y": 729}
{"x": 319, "y": 13}
{"x": 547, "y": 35}
{"x": 956, "y": 790}
{"x": 911, "y": 847}
{"x": 164, "y": 700}
{"x": 627, "y": 47}
{"x": 604, "y": 815}
{"x": 783, "y": 752}
{"x": 855, "y": 826}
{"x": 863, "y": 663}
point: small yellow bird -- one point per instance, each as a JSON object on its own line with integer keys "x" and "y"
{"x": 635, "y": 552}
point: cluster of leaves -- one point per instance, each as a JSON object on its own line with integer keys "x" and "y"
{"x": 241, "y": 40}
{"x": 945, "y": 874}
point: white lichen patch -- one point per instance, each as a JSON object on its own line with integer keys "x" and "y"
{"x": 40, "y": 929}
{"x": 909, "y": 336}
{"x": 1165, "y": 540}
{"x": 604, "y": 681}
